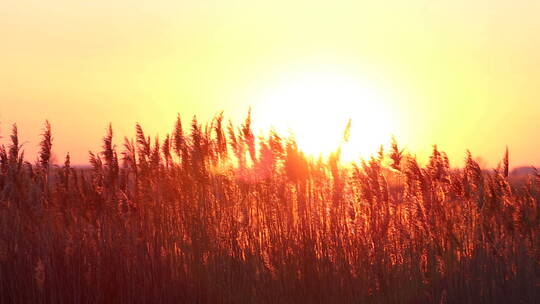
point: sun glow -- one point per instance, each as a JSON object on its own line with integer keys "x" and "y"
{"x": 316, "y": 108}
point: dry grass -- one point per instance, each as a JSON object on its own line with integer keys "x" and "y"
{"x": 218, "y": 216}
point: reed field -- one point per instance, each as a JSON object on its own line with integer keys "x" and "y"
{"x": 213, "y": 213}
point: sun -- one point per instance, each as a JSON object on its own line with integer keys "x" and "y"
{"x": 316, "y": 108}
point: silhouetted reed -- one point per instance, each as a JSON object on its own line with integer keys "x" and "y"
{"x": 219, "y": 215}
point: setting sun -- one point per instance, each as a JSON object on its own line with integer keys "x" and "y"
{"x": 269, "y": 151}
{"x": 316, "y": 107}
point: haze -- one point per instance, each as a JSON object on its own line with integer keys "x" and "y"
{"x": 461, "y": 74}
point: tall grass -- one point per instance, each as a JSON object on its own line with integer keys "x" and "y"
{"x": 216, "y": 215}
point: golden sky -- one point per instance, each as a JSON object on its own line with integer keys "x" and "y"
{"x": 460, "y": 74}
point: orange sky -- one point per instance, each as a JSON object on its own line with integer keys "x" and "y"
{"x": 460, "y": 74}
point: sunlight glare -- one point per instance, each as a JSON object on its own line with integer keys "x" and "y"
{"x": 316, "y": 107}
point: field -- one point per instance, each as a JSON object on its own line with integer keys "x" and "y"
{"x": 215, "y": 214}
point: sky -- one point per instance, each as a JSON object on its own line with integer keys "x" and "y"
{"x": 460, "y": 74}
